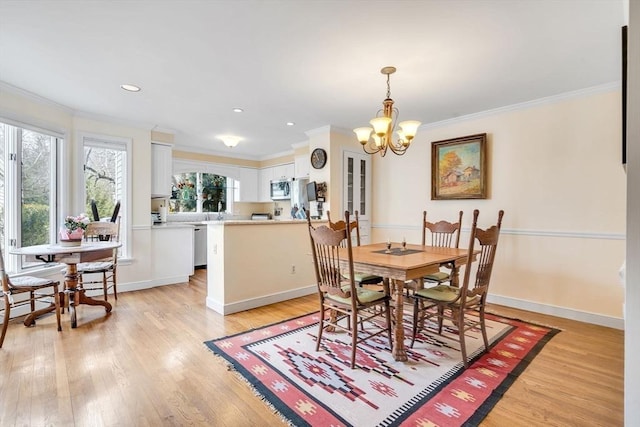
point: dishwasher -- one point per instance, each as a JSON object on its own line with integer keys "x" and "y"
{"x": 200, "y": 246}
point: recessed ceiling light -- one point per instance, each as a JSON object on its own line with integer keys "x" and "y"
{"x": 290, "y": 124}
{"x": 238, "y": 110}
{"x": 130, "y": 88}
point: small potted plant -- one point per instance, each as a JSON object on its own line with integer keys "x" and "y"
{"x": 72, "y": 230}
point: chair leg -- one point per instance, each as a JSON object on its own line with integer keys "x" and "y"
{"x": 104, "y": 284}
{"x": 115, "y": 289}
{"x": 354, "y": 337}
{"x": 321, "y": 323}
{"x": 388, "y": 318}
{"x": 56, "y": 297}
{"x": 463, "y": 345}
{"x": 5, "y": 323}
{"x": 62, "y": 300}
{"x": 440, "y": 318}
{"x": 416, "y": 309}
{"x": 483, "y": 327}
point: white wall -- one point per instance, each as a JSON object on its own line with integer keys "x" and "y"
{"x": 554, "y": 167}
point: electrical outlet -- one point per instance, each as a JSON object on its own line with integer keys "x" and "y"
{"x": 293, "y": 269}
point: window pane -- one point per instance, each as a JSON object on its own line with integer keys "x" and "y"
{"x": 214, "y": 193}
{"x": 183, "y": 193}
{"x": 36, "y": 181}
{"x": 100, "y": 177}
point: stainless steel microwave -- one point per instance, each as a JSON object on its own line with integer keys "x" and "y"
{"x": 281, "y": 189}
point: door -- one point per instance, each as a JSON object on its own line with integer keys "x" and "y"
{"x": 356, "y": 169}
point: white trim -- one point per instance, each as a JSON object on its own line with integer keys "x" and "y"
{"x": 524, "y": 232}
{"x": 566, "y": 313}
{"x": 224, "y": 309}
{"x": 34, "y": 97}
{"x": 607, "y": 87}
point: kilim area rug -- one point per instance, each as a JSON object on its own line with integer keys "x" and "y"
{"x": 309, "y": 388}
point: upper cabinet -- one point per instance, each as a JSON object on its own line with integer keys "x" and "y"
{"x": 248, "y": 185}
{"x": 161, "y": 169}
{"x": 301, "y": 166}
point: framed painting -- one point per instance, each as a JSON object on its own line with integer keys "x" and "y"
{"x": 459, "y": 168}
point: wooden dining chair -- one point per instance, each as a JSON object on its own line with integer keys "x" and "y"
{"x": 441, "y": 234}
{"x": 464, "y": 307}
{"x": 106, "y": 267}
{"x": 361, "y": 279}
{"x": 35, "y": 287}
{"x": 340, "y": 299}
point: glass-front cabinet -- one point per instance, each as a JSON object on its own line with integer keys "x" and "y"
{"x": 356, "y": 169}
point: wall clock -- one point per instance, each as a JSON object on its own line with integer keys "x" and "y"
{"x": 318, "y": 158}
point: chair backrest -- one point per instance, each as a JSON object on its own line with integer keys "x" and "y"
{"x": 325, "y": 247}
{"x": 102, "y": 231}
{"x": 341, "y": 224}
{"x": 487, "y": 243}
{"x": 443, "y": 234}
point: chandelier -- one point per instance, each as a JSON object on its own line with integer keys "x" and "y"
{"x": 384, "y": 125}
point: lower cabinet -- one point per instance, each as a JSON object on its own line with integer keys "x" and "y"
{"x": 172, "y": 249}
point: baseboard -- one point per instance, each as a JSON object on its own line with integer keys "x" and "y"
{"x": 566, "y": 313}
{"x": 224, "y": 309}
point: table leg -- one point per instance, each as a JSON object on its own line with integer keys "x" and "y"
{"x": 77, "y": 295}
{"x": 30, "y": 320}
{"x": 398, "y": 351}
{"x": 455, "y": 277}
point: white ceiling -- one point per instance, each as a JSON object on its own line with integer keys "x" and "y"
{"x": 312, "y": 62}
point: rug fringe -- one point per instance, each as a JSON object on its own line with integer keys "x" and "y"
{"x": 255, "y": 392}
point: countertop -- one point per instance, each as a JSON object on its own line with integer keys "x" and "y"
{"x": 176, "y": 224}
{"x": 263, "y": 222}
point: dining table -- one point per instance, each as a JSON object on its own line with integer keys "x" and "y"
{"x": 402, "y": 262}
{"x": 71, "y": 256}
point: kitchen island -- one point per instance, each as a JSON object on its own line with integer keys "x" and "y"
{"x": 255, "y": 263}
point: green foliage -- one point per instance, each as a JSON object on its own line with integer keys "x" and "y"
{"x": 35, "y": 224}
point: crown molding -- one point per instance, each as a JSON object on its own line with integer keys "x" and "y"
{"x": 34, "y": 97}
{"x": 607, "y": 87}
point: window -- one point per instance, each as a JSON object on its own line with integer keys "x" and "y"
{"x": 106, "y": 178}
{"x": 28, "y": 192}
{"x": 201, "y": 192}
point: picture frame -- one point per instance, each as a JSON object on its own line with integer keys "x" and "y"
{"x": 459, "y": 168}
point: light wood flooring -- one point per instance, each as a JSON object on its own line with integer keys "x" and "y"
{"x": 145, "y": 364}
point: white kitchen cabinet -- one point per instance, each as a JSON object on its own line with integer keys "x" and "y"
{"x": 248, "y": 180}
{"x": 172, "y": 260}
{"x": 161, "y": 169}
{"x": 264, "y": 178}
{"x": 301, "y": 166}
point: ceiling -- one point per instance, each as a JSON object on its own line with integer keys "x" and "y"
{"x": 311, "y": 62}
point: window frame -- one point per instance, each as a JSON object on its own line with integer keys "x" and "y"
{"x": 13, "y": 264}
{"x": 114, "y": 142}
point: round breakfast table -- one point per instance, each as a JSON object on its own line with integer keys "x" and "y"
{"x": 71, "y": 256}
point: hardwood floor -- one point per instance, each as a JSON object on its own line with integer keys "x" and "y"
{"x": 145, "y": 364}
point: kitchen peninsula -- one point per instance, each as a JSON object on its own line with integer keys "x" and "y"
{"x": 255, "y": 263}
